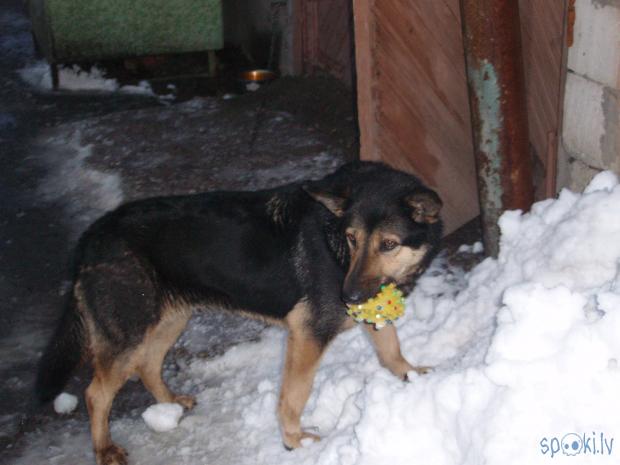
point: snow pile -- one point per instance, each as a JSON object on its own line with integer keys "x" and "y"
{"x": 525, "y": 350}
{"x": 65, "y": 403}
{"x": 74, "y": 78}
{"x": 162, "y": 417}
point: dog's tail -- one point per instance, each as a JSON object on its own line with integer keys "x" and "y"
{"x": 63, "y": 353}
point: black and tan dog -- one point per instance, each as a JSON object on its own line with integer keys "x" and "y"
{"x": 291, "y": 255}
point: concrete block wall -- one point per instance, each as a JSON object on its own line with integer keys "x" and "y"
{"x": 591, "y": 121}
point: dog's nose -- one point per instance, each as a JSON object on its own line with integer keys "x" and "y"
{"x": 352, "y": 297}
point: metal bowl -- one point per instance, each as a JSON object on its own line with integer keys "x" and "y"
{"x": 257, "y": 75}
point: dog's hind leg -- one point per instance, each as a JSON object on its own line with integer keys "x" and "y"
{"x": 121, "y": 307}
{"x": 303, "y": 354}
{"x": 156, "y": 345}
{"x": 387, "y": 346}
{"x": 99, "y": 397}
{"x": 145, "y": 359}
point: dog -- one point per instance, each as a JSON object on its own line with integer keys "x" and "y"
{"x": 293, "y": 256}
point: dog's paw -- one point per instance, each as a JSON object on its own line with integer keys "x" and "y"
{"x": 422, "y": 370}
{"x": 419, "y": 371}
{"x": 294, "y": 441}
{"x": 188, "y": 402}
{"x": 112, "y": 455}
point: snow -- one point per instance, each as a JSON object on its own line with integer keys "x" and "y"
{"x": 74, "y": 78}
{"x": 65, "y": 403}
{"x": 524, "y": 347}
{"x": 87, "y": 193}
{"x": 476, "y": 247}
{"x": 252, "y": 86}
{"x": 163, "y": 417}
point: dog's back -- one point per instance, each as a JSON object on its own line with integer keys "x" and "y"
{"x": 223, "y": 248}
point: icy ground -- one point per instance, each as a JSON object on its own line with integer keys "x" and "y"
{"x": 525, "y": 350}
{"x": 185, "y": 148}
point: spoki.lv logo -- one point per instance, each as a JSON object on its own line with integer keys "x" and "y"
{"x": 572, "y": 444}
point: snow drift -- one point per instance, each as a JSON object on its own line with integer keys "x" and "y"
{"x": 38, "y": 75}
{"x": 526, "y": 351}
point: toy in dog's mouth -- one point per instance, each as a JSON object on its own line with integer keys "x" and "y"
{"x": 384, "y": 308}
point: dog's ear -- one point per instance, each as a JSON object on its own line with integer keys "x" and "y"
{"x": 335, "y": 203}
{"x": 425, "y": 206}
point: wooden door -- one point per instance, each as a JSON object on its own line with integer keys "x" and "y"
{"x": 412, "y": 97}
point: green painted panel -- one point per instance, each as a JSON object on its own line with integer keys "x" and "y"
{"x": 96, "y": 29}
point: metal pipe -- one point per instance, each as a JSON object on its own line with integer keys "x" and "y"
{"x": 496, "y": 84}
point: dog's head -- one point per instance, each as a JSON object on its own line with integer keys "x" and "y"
{"x": 389, "y": 222}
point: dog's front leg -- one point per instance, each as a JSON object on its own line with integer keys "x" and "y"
{"x": 302, "y": 359}
{"x": 303, "y": 353}
{"x": 387, "y": 346}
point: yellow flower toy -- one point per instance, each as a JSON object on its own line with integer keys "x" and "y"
{"x": 387, "y": 306}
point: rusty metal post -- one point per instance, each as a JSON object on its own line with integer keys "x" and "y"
{"x": 496, "y": 84}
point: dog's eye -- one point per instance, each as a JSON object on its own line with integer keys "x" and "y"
{"x": 352, "y": 240}
{"x": 388, "y": 245}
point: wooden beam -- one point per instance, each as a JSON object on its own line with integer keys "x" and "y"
{"x": 364, "y": 27}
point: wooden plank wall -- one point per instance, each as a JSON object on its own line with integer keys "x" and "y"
{"x": 543, "y": 33}
{"x": 412, "y": 92}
